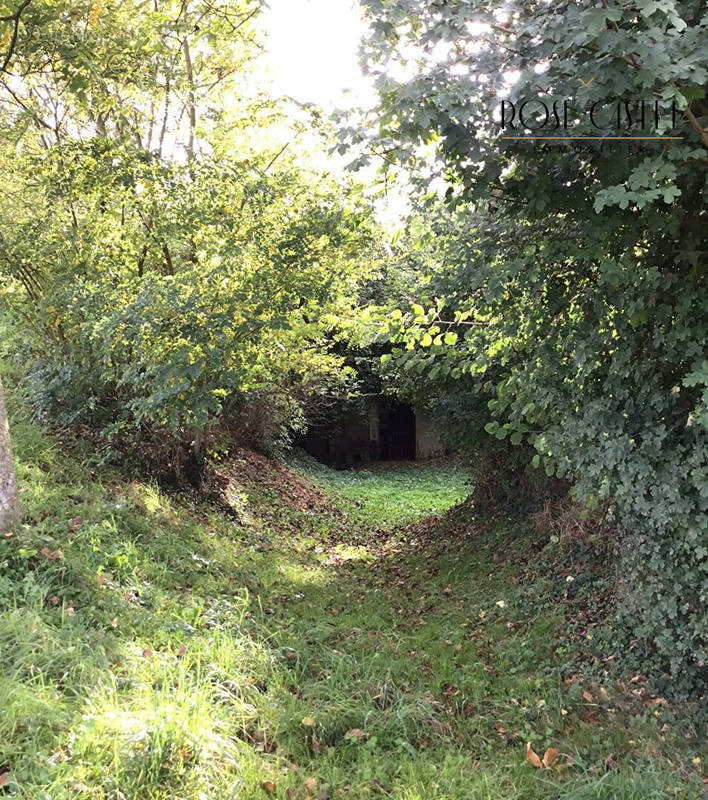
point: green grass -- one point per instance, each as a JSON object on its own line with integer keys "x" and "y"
{"x": 395, "y": 495}
{"x": 171, "y": 652}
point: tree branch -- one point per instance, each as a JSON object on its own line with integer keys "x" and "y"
{"x": 15, "y": 29}
{"x": 696, "y": 125}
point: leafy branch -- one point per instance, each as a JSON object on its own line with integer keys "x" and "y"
{"x": 15, "y": 19}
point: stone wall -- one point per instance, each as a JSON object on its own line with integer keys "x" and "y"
{"x": 427, "y": 444}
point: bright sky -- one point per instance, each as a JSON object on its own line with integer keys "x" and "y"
{"x": 313, "y": 51}
{"x": 313, "y": 56}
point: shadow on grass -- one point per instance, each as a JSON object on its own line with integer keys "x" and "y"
{"x": 154, "y": 648}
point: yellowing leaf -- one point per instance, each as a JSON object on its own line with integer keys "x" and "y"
{"x": 94, "y": 14}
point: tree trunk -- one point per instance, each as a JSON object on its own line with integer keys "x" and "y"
{"x": 191, "y": 99}
{"x": 9, "y": 507}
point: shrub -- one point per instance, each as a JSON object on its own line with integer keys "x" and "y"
{"x": 222, "y": 309}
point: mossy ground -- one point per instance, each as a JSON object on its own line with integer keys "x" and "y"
{"x": 354, "y": 647}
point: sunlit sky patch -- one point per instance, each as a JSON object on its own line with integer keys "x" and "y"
{"x": 312, "y": 56}
{"x": 312, "y": 52}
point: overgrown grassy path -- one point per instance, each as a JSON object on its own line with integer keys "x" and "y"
{"x": 428, "y": 659}
{"x": 338, "y": 642}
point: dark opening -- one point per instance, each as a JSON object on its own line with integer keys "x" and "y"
{"x": 397, "y": 432}
{"x": 316, "y": 443}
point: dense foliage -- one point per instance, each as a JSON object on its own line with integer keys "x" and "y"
{"x": 568, "y": 292}
{"x": 168, "y": 271}
{"x": 175, "y": 269}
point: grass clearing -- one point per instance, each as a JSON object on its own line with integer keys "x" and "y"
{"x": 152, "y": 648}
{"x": 387, "y": 495}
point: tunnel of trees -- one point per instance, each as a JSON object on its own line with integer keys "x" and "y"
{"x": 179, "y": 275}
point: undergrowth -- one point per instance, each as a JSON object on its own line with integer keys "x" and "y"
{"x": 152, "y": 647}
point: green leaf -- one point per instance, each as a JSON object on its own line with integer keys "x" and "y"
{"x": 692, "y": 93}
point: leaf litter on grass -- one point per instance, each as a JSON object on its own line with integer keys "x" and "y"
{"x": 393, "y": 670}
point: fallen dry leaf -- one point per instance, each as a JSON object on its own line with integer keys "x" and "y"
{"x": 655, "y": 701}
{"x": 532, "y": 757}
{"x": 310, "y": 785}
{"x": 316, "y": 744}
{"x": 439, "y": 727}
{"x": 4, "y": 779}
{"x": 268, "y": 787}
{"x": 356, "y": 733}
{"x": 550, "y": 756}
{"x": 588, "y": 697}
{"x": 548, "y": 760}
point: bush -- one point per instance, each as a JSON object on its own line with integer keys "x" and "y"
{"x": 221, "y": 311}
{"x": 571, "y": 275}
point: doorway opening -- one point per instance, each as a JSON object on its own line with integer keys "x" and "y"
{"x": 396, "y": 432}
